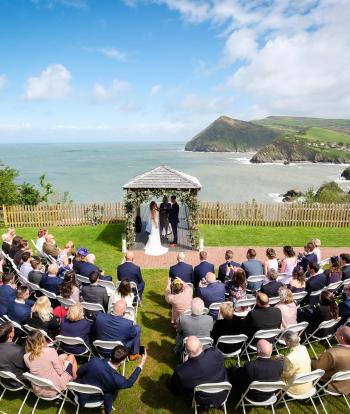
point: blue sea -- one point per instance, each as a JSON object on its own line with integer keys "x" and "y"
{"x": 97, "y": 171}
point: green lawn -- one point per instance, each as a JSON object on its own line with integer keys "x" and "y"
{"x": 326, "y": 135}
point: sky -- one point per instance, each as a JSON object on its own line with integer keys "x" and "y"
{"x": 162, "y": 70}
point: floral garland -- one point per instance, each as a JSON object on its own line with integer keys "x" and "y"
{"x": 134, "y": 198}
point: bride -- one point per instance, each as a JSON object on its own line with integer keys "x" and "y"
{"x": 153, "y": 246}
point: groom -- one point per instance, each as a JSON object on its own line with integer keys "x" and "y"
{"x": 174, "y": 218}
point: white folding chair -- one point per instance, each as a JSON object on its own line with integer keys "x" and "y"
{"x": 314, "y": 336}
{"x": 190, "y": 285}
{"x": 298, "y": 328}
{"x": 255, "y": 279}
{"x": 49, "y": 294}
{"x": 108, "y": 284}
{"x": 212, "y": 388}
{"x": 136, "y": 292}
{"x": 82, "y": 279}
{"x": 311, "y": 377}
{"x": 298, "y": 297}
{"x": 6, "y": 376}
{"x": 262, "y": 334}
{"x": 76, "y": 387}
{"x": 66, "y": 302}
{"x": 324, "y": 262}
{"x": 337, "y": 377}
{"x": 334, "y": 286}
{"x": 49, "y": 340}
{"x": 276, "y": 388}
{"x": 102, "y": 346}
{"x": 17, "y": 326}
{"x": 93, "y": 307}
{"x": 316, "y": 293}
{"x": 189, "y": 311}
{"x": 248, "y": 303}
{"x": 346, "y": 282}
{"x": 232, "y": 340}
{"x": 35, "y": 246}
{"x": 76, "y": 340}
{"x": 130, "y": 313}
{"x": 215, "y": 306}
{"x": 274, "y": 300}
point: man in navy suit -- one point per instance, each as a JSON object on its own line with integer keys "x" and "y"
{"x": 201, "y": 367}
{"x": 114, "y": 327}
{"x": 174, "y": 218}
{"x": 226, "y": 268}
{"x": 50, "y": 281}
{"x": 86, "y": 268}
{"x": 271, "y": 288}
{"x": 128, "y": 270}
{"x": 309, "y": 256}
{"x": 202, "y": 269}
{"x": 345, "y": 265}
{"x": 7, "y": 292}
{"x": 103, "y": 373}
{"x": 182, "y": 270}
{"x": 214, "y": 291}
{"x": 317, "y": 280}
{"x": 19, "y": 309}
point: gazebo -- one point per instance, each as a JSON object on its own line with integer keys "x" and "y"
{"x": 158, "y": 182}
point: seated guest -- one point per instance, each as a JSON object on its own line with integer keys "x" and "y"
{"x": 335, "y": 360}
{"x": 237, "y": 286}
{"x": 297, "y": 283}
{"x": 79, "y": 262}
{"x": 41, "y": 239}
{"x": 253, "y": 267}
{"x": 182, "y": 270}
{"x": 287, "y": 307}
{"x": 37, "y": 272}
{"x": 213, "y": 292}
{"x": 316, "y": 281}
{"x": 69, "y": 287}
{"x": 43, "y": 361}
{"x": 179, "y": 295}
{"x": 194, "y": 324}
{"x": 344, "y": 306}
{"x": 104, "y": 374}
{"x": 333, "y": 273}
{"x": 345, "y": 265}
{"x": 19, "y": 309}
{"x": 202, "y": 366}
{"x": 263, "y": 369}
{"x": 202, "y": 269}
{"x": 7, "y": 292}
{"x": 65, "y": 254}
{"x": 91, "y": 261}
{"x": 41, "y": 317}
{"x": 226, "y": 268}
{"x": 26, "y": 267}
{"x": 49, "y": 246}
{"x": 15, "y": 246}
{"x": 271, "y": 262}
{"x": 50, "y": 281}
{"x": 95, "y": 293}
{"x": 7, "y": 238}
{"x": 128, "y": 270}
{"x": 296, "y": 362}
{"x": 23, "y": 247}
{"x": 308, "y": 256}
{"x": 271, "y": 288}
{"x": 11, "y": 354}
{"x": 289, "y": 261}
{"x": 317, "y": 250}
{"x": 262, "y": 316}
{"x": 115, "y": 327}
{"x": 76, "y": 325}
{"x": 123, "y": 291}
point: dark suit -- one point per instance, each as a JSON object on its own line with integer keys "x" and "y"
{"x": 85, "y": 269}
{"x": 115, "y": 328}
{"x": 51, "y": 283}
{"x": 344, "y": 311}
{"x": 308, "y": 258}
{"x": 262, "y": 319}
{"x": 206, "y": 367}
{"x": 182, "y": 270}
{"x": 214, "y": 292}
{"x": 19, "y": 312}
{"x": 261, "y": 369}
{"x": 7, "y": 295}
{"x": 271, "y": 288}
{"x": 174, "y": 219}
{"x": 11, "y": 359}
{"x": 99, "y": 373}
{"x": 201, "y": 270}
{"x": 129, "y": 270}
{"x": 95, "y": 294}
{"x": 313, "y": 284}
{"x": 223, "y": 270}
{"x": 35, "y": 277}
{"x": 346, "y": 272}
{"x": 81, "y": 329}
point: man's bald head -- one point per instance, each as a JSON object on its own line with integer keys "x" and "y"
{"x": 264, "y": 348}
{"x": 129, "y": 257}
{"x": 343, "y": 335}
{"x": 91, "y": 258}
{"x": 262, "y": 300}
{"x": 119, "y": 308}
{"x": 193, "y": 346}
{"x": 210, "y": 277}
{"x": 52, "y": 269}
{"x": 181, "y": 257}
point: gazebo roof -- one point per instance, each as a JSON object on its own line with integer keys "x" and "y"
{"x": 163, "y": 177}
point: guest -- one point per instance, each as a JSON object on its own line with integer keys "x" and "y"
{"x": 41, "y": 317}
{"x": 182, "y": 270}
{"x": 22, "y": 248}
{"x": 65, "y": 254}
{"x": 115, "y": 327}
{"x": 20, "y": 309}
{"x": 316, "y": 281}
{"x": 7, "y": 239}
{"x": 335, "y": 360}
{"x": 202, "y": 269}
{"x": 317, "y": 250}
{"x": 253, "y": 267}
{"x": 296, "y": 362}
{"x": 309, "y": 256}
{"x": 43, "y": 361}
{"x": 91, "y": 261}
{"x": 37, "y": 272}
{"x": 271, "y": 262}
{"x": 289, "y": 261}
{"x": 128, "y": 270}
{"x": 298, "y": 282}
{"x": 194, "y": 324}
{"x": 76, "y": 325}
{"x": 7, "y": 292}
{"x": 26, "y": 267}
{"x": 271, "y": 288}
{"x": 50, "y": 281}
{"x": 263, "y": 369}
{"x": 15, "y": 246}
{"x": 345, "y": 265}
{"x": 79, "y": 263}
{"x": 226, "y": 268}
{"x": 214, "y": 292}
{"x": 333, "y": 273}
{"x": 202, "y": 366}
{"x": 69, "y": 287}
{"x": 263, "y": 316}
{"x": 287, "y": 307}
{"x": 237, "y": 287}
{"x": 104, "y": 374}
{"x": 95, "y": 293}
{"x": 41, "y": 239}
{"x": 179, "y": 295}
{"x": 344, "y": 306}
{"x": 49, "y": 246}
{"x": 124, "y": 291}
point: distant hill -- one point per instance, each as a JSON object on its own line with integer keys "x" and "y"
{"x": 228, "y": 135}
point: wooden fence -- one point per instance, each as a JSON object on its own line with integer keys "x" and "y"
{"x": 251, "y": 214}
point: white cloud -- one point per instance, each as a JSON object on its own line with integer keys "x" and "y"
{"x": 241, "y": 44}
{"x": 3, "y": 81}
{"x": 52, "y": 83}
{"x": 155, "y": 90}
{"x": 103, "y": 93}
{"x": 113, "y": 53}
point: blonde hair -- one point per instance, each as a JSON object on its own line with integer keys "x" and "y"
{"x": 43, "y": 308}
{"x": 285, "y": 294}
{"x": 316, "y": 242}
{"x": 226, "y": 310}
{"x": 35, "y": 343}
{"x": 75, "y": 312}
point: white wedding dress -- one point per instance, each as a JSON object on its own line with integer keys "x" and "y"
{"x": 154, "y": 246}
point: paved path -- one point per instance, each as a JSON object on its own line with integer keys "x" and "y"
{"x": 216, "y": 256}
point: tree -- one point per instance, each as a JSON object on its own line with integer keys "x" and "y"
{"x": 9, "y": 190}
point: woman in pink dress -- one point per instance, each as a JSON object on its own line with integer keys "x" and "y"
{"x": 288, "y": 263}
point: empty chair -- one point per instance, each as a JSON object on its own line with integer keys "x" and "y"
{"x": 268, "y": 334}
{"x": 238, "y": 340}
{"x": 337, "y": 377}
{"x": 212, "y": 388}
{"x": 5, "y": 377}
{"x": 317, "y": 336}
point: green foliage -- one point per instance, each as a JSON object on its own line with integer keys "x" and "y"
{"x": 328, "y": 193}
{"x": 9, "y": 190}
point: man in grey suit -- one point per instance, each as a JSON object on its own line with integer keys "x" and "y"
{"x": 195, "y": 324}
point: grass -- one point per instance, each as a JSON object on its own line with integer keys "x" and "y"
{"x": 326, "y": 135}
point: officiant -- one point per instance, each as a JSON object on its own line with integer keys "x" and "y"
{"x": 164, "y": 210}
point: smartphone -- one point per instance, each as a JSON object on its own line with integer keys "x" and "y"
{"x": 142, "y": 350}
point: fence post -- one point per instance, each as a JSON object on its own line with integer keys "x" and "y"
{"x": 4, "y": 212}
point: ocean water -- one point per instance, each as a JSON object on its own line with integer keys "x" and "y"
{"x": 97, "y": 171}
